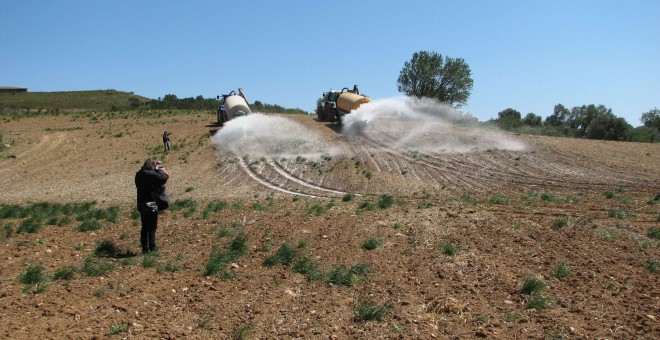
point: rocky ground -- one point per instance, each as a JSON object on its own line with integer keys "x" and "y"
{"x": 455, "y": 235}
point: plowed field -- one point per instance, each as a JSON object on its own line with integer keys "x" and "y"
{"x": 455, "y": 232}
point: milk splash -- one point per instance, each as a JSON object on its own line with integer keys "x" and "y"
{"x": 409, "y": 124}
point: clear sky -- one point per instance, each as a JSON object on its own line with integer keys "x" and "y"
{"x": 523, "y": 54}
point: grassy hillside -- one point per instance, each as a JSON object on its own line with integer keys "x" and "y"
{"x": 99, "y": 100}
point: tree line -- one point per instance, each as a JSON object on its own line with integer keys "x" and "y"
{"x": 172, "y": 102}
{"x": 586, "y": 121}
{"x": 429, "y": 74}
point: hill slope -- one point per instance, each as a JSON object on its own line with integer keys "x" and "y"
{"x": 440, "y": 241}
{"x": 100, "y": 100}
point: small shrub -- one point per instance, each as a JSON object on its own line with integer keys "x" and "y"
{"x": 95, "y": 266}
{"x": 499, "y": 199}
{"x": 118, "y": 329}
{"x": 284, "y": 256}
{"x": 533, "y": 284}
{"x": 368, "y": 175}
{"x": 318, "y": 209}
{"x": 617, "y": 213}
{"x": 243, "y": 331}
{"x": 558, "y": 224}
{"x": 89, "y": 225}
{"x": 654, "y": 200}
{"x": 238, "y": 246}
{"x": 424, "y": 205}
{"x": 348, "y": 197}
{"x": 448, "y": 249}
{"x": 347, "y": 276}
{"x": 183, "y": 204}
{"x": 385, "y": 201}
{"x": 149, "y": 260}
{"x": 8, "y": 230}
{"x": 106, "y": 248}
{"x": 65, "y": 273}
{"x": 30, "y": 226}
{"x": 653, "y": 265}
{"x": 307, "y": 267}
{"x": 367, "y": 206}
{"x": 169, "y": 268}
{"x": 369, "y": 311}
{"x": 539, "y": 302}
{"x": 467, "y": 198}
{"x": 32, "y": 275}
{"x": 654, "y": 233}
{"x": 371, "y": 243}
{"x": 563, "y": 270}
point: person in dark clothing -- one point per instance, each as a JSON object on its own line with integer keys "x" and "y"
{"x": 166, "y": 140}
{"x": 149, "y": 181}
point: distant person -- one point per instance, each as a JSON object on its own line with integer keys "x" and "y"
{"x": 166, "y": 140}
{"x": 356, "y": 90}
{"x": 149, "y": 181}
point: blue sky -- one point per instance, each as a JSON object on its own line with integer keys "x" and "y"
{"x": 525, "y": 55}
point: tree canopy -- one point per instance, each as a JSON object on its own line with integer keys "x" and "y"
{"x": 428, "y": 74}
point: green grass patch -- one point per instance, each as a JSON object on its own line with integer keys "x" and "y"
{"x": 348, "y": 197}
{"x": 448, "y": 249}
{"x": 654, "y": 233}
{"x": 343, "y": 276}
{"x": 372, "y": 243}
{"x": 499, "y": 199}
{"x": 653, "y": 265}
{"x": 94, "y": 266}
{"x": 118, "y": 329}
{"x": 539, "y": 302}
{"x": 562, "y": 271}
{"x": 32, "y": 275}
{"x": 425, "y": 205}
{"x": 285, "y": 255}
{"x": 385, "y": 201}
{"x": 369, "y": 311}
{"x": 29, "y": 225}
{"x": 91, "y": 224}
{"x": 219, "y": 259}
{"x": 65, "y": 273}
{"x": 318, "y": 209}
{"x": 532, "y": 285}
{"x": 468, "y": 199}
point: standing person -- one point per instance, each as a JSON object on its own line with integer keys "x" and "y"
{"x": 149, "y": 180}
{"x": 166, "y": 140}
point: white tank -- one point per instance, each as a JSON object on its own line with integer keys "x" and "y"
{"x": 235, "y": 106}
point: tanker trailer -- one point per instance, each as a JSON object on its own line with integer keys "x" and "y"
{"x": 232, "y": 105}
{"x": 335, "y": 104}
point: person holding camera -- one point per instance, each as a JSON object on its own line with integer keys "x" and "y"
{"x": 166, "y": 140}
{"x": 149, "y": 181}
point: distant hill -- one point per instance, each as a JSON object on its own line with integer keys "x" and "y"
{"x": 100, "y": 100}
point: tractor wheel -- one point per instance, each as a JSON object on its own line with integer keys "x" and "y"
{"x": 320, "y": 114}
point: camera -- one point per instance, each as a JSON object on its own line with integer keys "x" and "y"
{"x": 158, "y": 167}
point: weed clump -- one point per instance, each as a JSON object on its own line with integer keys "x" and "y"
{"x": 372, "y": 243}
{"x": 532, "y": 285}
{"x": 284, "y": 256}
{"x": 448, "y": 248}
{"x": 89, "y": 225}
{"x": 370, "y": 311}
{"x": 219, "y": 259}
{"x": 65, "y": 273}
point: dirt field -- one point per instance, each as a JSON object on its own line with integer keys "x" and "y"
{"x": 456, "y": 235}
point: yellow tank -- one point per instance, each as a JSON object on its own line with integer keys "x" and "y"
{"x": 348, "y": 101}
{"x": 236, "y": 105}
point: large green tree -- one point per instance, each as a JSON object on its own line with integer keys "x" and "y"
{"x": 428, "y": 74}
{"x": 651, "y": 120}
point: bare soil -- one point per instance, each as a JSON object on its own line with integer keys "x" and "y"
{"x": 508, "y": 215}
